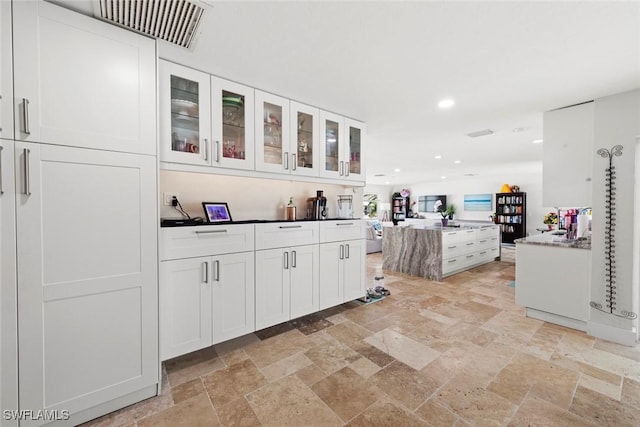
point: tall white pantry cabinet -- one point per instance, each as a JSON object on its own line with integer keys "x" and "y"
{"x": 80, "y": 175}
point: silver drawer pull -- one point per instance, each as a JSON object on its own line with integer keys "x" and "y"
{"x": 25, "y": 115}
{"x": 286, "y": 260}
{"x": 210, "y": 231}
{"x": 470, "y": 231}
{"x": 470, "y": 243}
{"x": 451, "y": 247}
{"x": 286, "y": 160}
{"x": 205, "y": 150}
{"x": 289, "y": 226}
{"x": 344, "y": 223}
{"x": 346, "y": 251}
{"x": 293, "y": 259}
{"x": 294, "y": 162}
{"x": 483, "y": 252}
{"x": 205, "y": 272}
{"x": 470, "y": 256}
{"x": 452, "y": 260}
{"x": 217, "y": 151}
{"x": 27, "y": 184}
{"x": 217, "y": 270}
{"x": 341, "y": 251}
{"x": 482, "y": 241}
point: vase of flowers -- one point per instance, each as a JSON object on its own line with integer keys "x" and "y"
{"x": 550, "y": 219}
{"x": 445, "y": 218}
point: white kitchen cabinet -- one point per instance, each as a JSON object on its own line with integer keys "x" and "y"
{"x": 87, "y": 277}
{"x": 286, "y": 284}
{"x": 331, "y": 149}
{"x": 6, "y": 72}
{"x": 568, "y": 154}
{"x": 233, "y": 290}
{"x": 232, "y": 124}
{"x": 185, "y": 306}
{"x": 81, "y": 82}
{"x": 342, "y": 277}
{"x": 273, "y": 151}
{"x": 185, "y": 115}
{"x": 207, "y": 286}
{"x": 354, "y": 166}
{"x": 466, "y": 248}
{"x": 305, "y": 139}
{"x": 8, "y": 291}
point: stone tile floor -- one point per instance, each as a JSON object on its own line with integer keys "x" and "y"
{"x": 452, "y": 353}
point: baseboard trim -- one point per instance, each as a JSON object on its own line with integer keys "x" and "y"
{"x": 567, "y": 322}
{"x": 611, "y": 333}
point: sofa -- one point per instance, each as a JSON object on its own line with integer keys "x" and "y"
{"x": 374, "y": 236}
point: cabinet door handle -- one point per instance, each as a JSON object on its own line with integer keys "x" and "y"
{"x": 293, "y": 259}
{"x": 217, "y": 271}
{"x": 451, "y": 247}
{"x": 286, "y": 260}
{"x": 344, "y": 223}
{"x": 469, "y": 256}
{"x": 27, "y": 184}
{"x": 482, "y": 241}
{"x": 217, "y": 151}
{"x": 289, "y": 226}
{"x": 341, "y": 251}
{"x": 452, "y": 260}
{"x": 286, "y": 160}
{"x": 294, "y": 162}
{"x": 341, "y": 168}
{"x": 470, "y": 244}
{"x": 25, "y": 115}
{"x": 346, "y": 251}
{"x": 205, "y": 150}
{"x": 483, "y": 252}
{"x": 210, "y": 231}
{"x": 1, "y": 187}
{"x": 205, "y": 272}
{"x": 346, "y": 168}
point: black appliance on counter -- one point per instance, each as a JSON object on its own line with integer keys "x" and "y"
{"x": 317, "y": 206}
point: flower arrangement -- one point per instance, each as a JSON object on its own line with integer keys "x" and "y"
{"x": 551, "y": 218}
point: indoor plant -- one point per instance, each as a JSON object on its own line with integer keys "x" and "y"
{"x": 451, "y": 209}
{"x": 550, "y": 219}
{"x": 445, "y": 217}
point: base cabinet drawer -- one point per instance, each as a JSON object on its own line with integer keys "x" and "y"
{"x": 286, "y": 234}
{"x": 204, "y": 240}
{"x": 336, "y": 231}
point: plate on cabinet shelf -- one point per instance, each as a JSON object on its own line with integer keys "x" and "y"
{"x": 184, "y": 107}
{"x": 232, "y": 101}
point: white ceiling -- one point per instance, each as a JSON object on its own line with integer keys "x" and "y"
{"x": 389, "y": 63}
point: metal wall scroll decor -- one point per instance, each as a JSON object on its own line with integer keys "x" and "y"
{"x": 609, "y": 239}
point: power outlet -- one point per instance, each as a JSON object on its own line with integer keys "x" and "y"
{"x": 167, "y": 197}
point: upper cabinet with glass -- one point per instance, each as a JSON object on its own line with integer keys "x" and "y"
{"x": 286, "y": 136}
{"x": 354, "y": 141}
{"x": 232, "y": 108}
{"x": 331, "y": 157}
{"x": 185, "y": 124}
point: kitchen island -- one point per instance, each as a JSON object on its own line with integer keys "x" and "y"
{"x": 552, "y": 279}
{"x": 435, "y": 252}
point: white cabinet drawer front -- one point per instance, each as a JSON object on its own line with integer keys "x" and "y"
{"x": 452, "y": 264}
{"x": 334, "y": 231}
{"x": 487, "y": 232}
{"x": 468, "y": 235}
{"x": 285, "y": 234}
{"x": 189, "y": 242}
{"x": 451, "y": 237}
{"x": 452, "y": 250}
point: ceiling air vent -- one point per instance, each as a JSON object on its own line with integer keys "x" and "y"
{"x": 480, "y": 133}
{"x": 174, "y": 21}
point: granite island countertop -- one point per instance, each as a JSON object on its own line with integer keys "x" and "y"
{"x": 549, "y": 239}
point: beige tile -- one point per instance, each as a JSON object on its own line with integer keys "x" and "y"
{"x": 436, "y": 415}
{"x": 484, "y": 407}
{"x": 238, "y": 413}
{"x": 311, "y": 374}
{"x": 364, "y": 367}
{"x": 586, "y": 369}
{"x": 232, "y": 382}
{"x": 602, "y": 410}
{"x": 632, "y": 353}
{"x": 372, "y": 353}
{"x": 193, "y": 365}
{"x": 405, "y": 384}
{"x": 289, "y": 402}
{"x": 631, "y": 393}
{"x": 234, "y": 357}
{"x": 311, "y": 324}
{"x": 348, "y": 332}
{"x": 337, "y": 319}
{"x": 538, "y": 412}
{"x": 278, "y": 347}
{"x": 235, "y": 344}
{"x": 510, "y": 385}
{"x": 385, "y": 413}
{"x": 332, "y": 356}
{"x": 346, "y": 393}
{"x": 406, "y": 350}
{"x": 187, "y": 390}
{"x": 142, "y": 409}
{"x": 602, "y": 387}
{"x": 286, "y": 366}
{"x": 194, "y": 412}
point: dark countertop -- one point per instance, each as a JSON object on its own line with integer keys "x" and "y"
{"x": 171, "y": 222}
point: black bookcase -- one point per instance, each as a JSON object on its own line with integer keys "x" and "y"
{"x": 511, "y": 215}
{"x": 399, "y": 208}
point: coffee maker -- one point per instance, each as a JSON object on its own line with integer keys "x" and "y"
{"x": 317, "y": 206}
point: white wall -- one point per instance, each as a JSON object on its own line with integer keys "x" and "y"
{"x": 529, "y": 178}
{"x": 617, "y": 122}
{"x": 249, "y": 198}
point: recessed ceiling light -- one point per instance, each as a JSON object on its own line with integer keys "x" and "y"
{"x": 537, "y": 141}
{"x": 443, "y": 177}
{"x": 396, "y": 170}
{"x": 437, "y": 157}
{"x": 457, "y": 162}
{"x": 446, "y": 103}
{"x": 520, "y": 129}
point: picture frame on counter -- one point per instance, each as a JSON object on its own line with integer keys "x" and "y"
{"x": 216, "y": 212}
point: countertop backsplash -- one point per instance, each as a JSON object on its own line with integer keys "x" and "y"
{"x": 249, "y": 198}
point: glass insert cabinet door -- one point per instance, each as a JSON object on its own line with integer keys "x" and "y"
{"x": 354, "y": 163}
{"x": 273, "y": 153}
{"x": 185, "y": 111}
{"x": 331, "y": 152}
{"x": 232, "y": 124}
{"x": 305, "y": 124}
